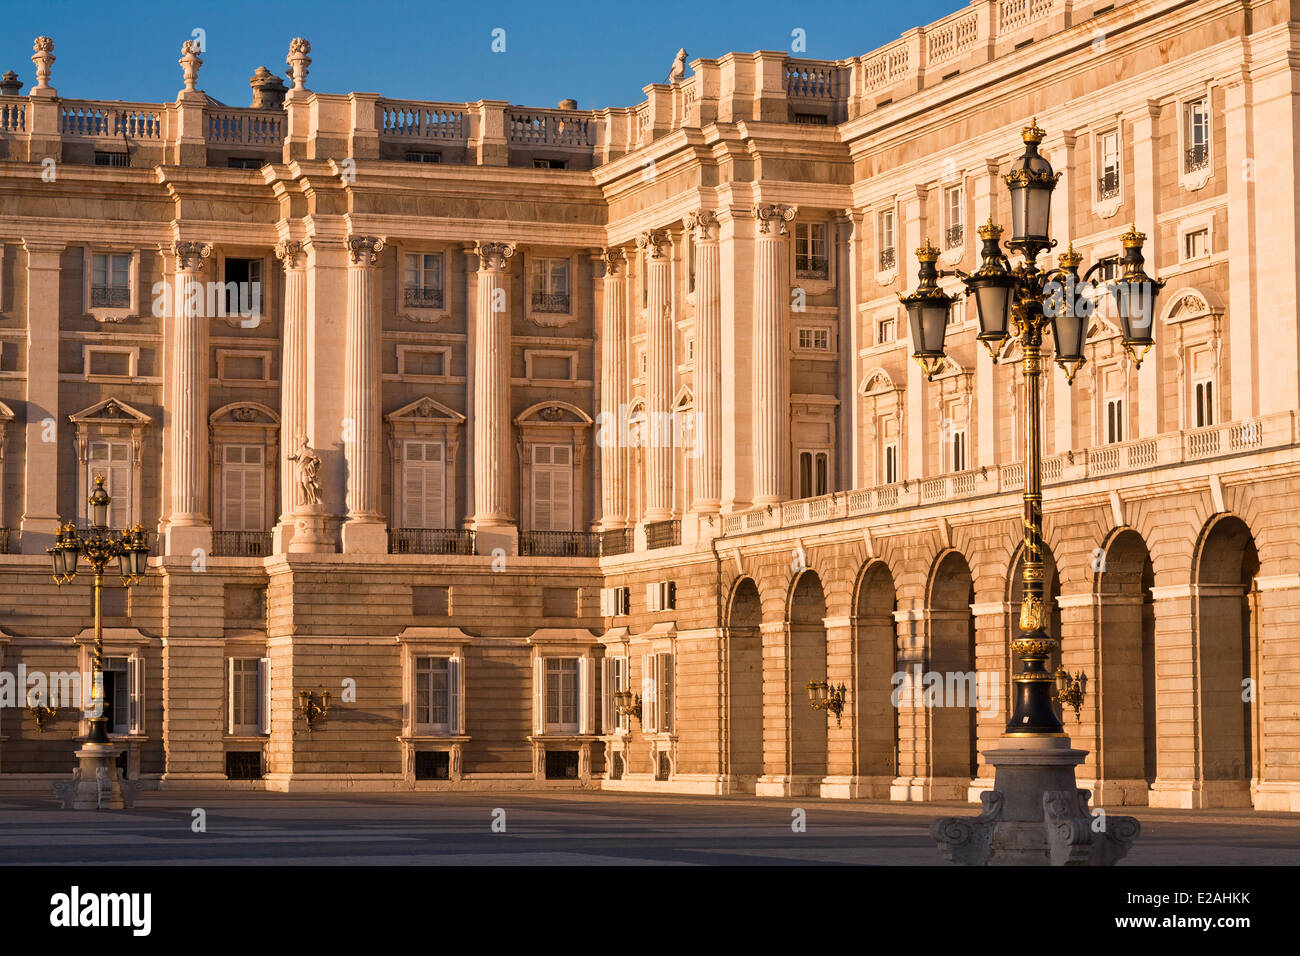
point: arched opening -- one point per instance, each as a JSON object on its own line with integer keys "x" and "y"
{"x": 807, "y": 663}
{"x": 952, "y": 661}
{"x": 1126, "y": 685}
{"x": 744, "y": 697}
{"x": 1227, "y": 621}
{"x": 875, "y": 662}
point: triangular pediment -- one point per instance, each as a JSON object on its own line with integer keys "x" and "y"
{"x": 111, "y": 410}
{"x": 425, "y": 410}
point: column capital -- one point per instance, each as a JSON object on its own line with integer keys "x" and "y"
{"x": 653, "y": 243}
{"x": 365, "y": 250}
{"x": 614, "y": 260}
{"x": 702, "y": 224}
{"x": 291, "y": 254}
{"x": 770, "y": 214}
{"x": 37, "y": 247}
{"x": 189, "y": 254}
{"x": 492, "y": 256}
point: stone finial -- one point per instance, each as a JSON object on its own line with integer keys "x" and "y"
{"x": 268, "y": 89}
{"x": 43, "y": 57}
{"x": 567, "y": 104}
{"x": 10, "y": 84}
{"x": 298, "y": 61}
{"x": 190, "y": 64}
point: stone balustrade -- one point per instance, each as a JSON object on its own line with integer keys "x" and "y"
{"x": 1174, "y": 448}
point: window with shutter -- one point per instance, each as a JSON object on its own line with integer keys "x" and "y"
{"x": 664, "y": 675}
{"x": 435, "y": 702}
{"x": 247, "y": 700}
{"x": 423, "y": 485}
{"x": 552, "y": 495}
{"x": 649, "y": 708}
{"x": 243, "y": 488}
{"x": 562, "y": 695}
{"x": 112, "y": 459}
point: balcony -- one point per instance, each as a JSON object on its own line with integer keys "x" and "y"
{"x": 4, "y": 540}
{"x": 1196, "y": 157}
{"x": 110, "y": 297}
{"x": 559, "y": 544}
{"x": 422, "y": 298}
{"x": 811, "y": 267}
{"x": 663, "y": 534}
{"x": 618, "y": 541}
{"x": 551, "y": 302}
{"x": 1108, "y": 185}
{"x": 430, "y": 541}
{"x": 888, "y": 260}
{"x": 954, "y": 236}
{"x": 241, "y": 544}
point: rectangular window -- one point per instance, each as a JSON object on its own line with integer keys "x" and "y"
{"x": 110, "y": 280}
{"x": 550, "y": 285}
{"x": 888, "y": 255}
{"x": 248, "y": 714}
{"x": 242, "y": 294}
{"x": 959, "y": 450}
{"x": 657, "y": 693}
{"x": 814, "y": 473}
{"x": 1196, "y": 244}
{"x": 423, "y": 485}
{"x": 614, "y": 675}
{"x": 810, "y": 258}
{"x": 885, "y": 331}
{"x": 561, "y": 702}
{"x": 111, "y": 158}
{"x": 552, "y": 488}
{"x": 815, "y": 340}
{"x": 954, "y": 218}
{"x": 437, "y": 695}
{"x": 423, "y": 281}
{"x": 1114, "y": 420}
{"x": 550, "y": 163}
{"x": 1108, "y": 163}
{"x": 243, "y": 488}
{"x": 956, "y": 313}
{"x": 1204, "y": 403}
{"x": 122, "y": 694}
{"x": 414, "y": 156}
{"x": 1196, "y": 132}
{"x": 243, "y": 162}
{"x": 891, "y": 463}
{"x": 690, "y": 350}
{"x": 641, "y": 362}
{"x": 112, "y": 459}
{"x": 422, "y": 362}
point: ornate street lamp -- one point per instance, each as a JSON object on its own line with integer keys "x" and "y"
{"x": 1034, "y": 813}
{"x": 100, "y": 546}
{"x": 823, "y": 695}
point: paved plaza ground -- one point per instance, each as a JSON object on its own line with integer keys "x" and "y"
{"x": 584, "y": 828}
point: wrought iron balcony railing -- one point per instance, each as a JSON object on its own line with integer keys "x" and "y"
{"x": 663, "y": 534}
{"x": 811, "y": 267}
{"x": 560, "y": 544}
{"x": 954, "y": 235}
{"x": 1196, "y": 157}
{"x": 109, "y": 296}
{"x": 1108, "y": 185}
{"x": 421, "y": 298}
{"x": 430, "y": 541}
{"x": 241, "y": 544}
{"x": 887, "y": 259}
{"x": 550, "y": 302}
{"x": 4, "y": 540}
{"x": 617, "y": 541}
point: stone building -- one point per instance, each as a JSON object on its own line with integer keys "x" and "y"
{"x": 473, "y": 414}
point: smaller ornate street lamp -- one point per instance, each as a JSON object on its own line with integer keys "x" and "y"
{"x": 627, "y": 704}
{"x": 825, "y": 696}
{"x": 314, "y": 708}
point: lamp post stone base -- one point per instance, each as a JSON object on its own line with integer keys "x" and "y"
{"x": 96, "y": 784}
{"x": 1035, "y": 815}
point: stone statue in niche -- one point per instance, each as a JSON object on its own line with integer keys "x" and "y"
{"x": 308, "y": 470}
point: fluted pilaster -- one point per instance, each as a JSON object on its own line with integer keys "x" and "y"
{"x": 707, "y": 452}
{"x": 659, "y": 375}
{"x": 614, "y": 381}
{"x": 293, "y": 370}
{"x": 188, "y": 526}
{"x": 362, "y": 401}
{"x": 492, "y": 387}
{"x": 771, "y": 365}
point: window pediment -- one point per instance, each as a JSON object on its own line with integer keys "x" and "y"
{"x": 111, "y": 411}
{"x": 244, "y": 413}
{"x": 554, "y": 413}
{"x": 425, "y": 410}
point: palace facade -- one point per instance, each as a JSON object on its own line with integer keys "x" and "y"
{"x": 621, "y": 400}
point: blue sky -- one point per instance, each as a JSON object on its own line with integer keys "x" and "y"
{"x": 599, "y": 53}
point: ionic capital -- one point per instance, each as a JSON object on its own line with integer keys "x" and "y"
{"x": 702, "y": 224}
{"x": 654, "y": 243}
{"x": 365, "y": 250}
{"x": 190, "y": 254}
{"x": 492, "y": 256}
{"x": 774, "y": 214}
{"x": 615, "y": 262}
{"x": 290, "y": 253}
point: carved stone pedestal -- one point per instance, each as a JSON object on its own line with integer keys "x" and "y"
{"x": 1035, "y": 815}
{"x": 96, "y": 784}
{"x": 310, "y": 535}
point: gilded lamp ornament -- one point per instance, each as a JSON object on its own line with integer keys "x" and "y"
{"x": 1021, "y": 302}
{"x": 100, "y": 546}
{"x": 627, "y": 704}
{"x": 825, "y": 696}
{"x": 313, "y": 707}
{"x": 39, "y": 711}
